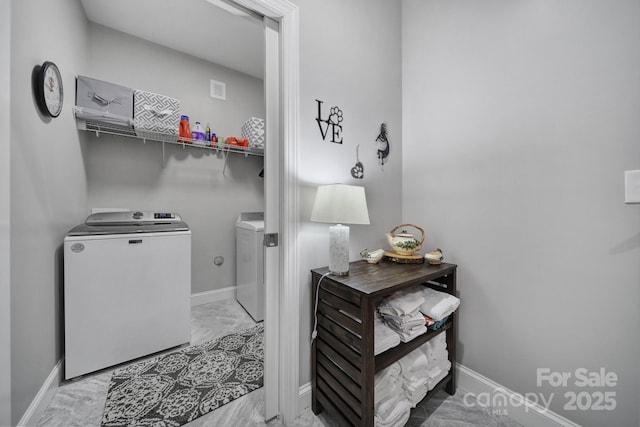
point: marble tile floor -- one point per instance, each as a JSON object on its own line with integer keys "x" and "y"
{"x": 80, "y": 403}
{"x": 443, "y": 410}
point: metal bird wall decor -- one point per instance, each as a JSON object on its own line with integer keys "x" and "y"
{"x": 382, "y": 144}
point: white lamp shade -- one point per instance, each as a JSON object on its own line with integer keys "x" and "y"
{"x": 340, "y": 204}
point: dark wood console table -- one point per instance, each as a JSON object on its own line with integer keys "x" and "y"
{"x": 343, "y": 360}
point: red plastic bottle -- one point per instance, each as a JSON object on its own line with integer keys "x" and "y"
{"x": 185, "y": 130}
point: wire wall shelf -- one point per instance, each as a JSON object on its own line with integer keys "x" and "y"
{"x": 143, "y": 135}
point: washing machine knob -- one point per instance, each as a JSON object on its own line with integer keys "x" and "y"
{"x": 137, "y": 215}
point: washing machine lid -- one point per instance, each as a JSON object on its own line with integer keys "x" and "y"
{"x": 129, "y": 222}
{"x": 251, "y": 225}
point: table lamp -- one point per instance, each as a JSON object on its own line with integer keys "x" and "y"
{"x": 340, "y": 204}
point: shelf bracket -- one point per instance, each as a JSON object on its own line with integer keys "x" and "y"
{"x": 226, "y": 157}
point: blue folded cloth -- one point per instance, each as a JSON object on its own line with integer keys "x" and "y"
{"x": 439, "y": 324}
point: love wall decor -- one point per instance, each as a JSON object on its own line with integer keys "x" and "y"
{"x": 331, "y": 125}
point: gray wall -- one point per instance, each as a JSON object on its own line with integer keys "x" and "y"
{"x": 48, "y": 188}
{"x": 520, "y": 119}
{"x": 124, "y": 172}
{"x": 350, "y": 58}
{"x": 5, "y": 191}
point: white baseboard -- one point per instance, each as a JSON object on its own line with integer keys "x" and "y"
{"x": 517, "y": 407}
{"x": 304, "y": 398}
{"x": 213, "y": 296}
{"x": 37, "y": 407}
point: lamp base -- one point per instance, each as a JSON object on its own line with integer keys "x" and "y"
{"x": 339, "y": 250}
{"x": 339, "y": 273}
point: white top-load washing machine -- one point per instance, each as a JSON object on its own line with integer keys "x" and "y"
{"x": 250, "y": 263}
{"x": 127, "y": 288}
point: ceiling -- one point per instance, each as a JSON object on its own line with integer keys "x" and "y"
{"x": 194, "y": 27}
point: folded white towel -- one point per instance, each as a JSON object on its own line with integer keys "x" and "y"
{"x": 439, "y": 340}
{"x": 384, "y": 337}
{"x": 416, "y": 390}
{"x": 443, "y": 369}
{"x": 415, "y": 396}
{"x": 385, "y": 379}
{"x": 438, "y": 358}
{"x": 413, "y": 365}
{"x": 438, "y": 305}
{"x": 397, "y": 417}
{"x": 433, "y": 371}
{"x": 434, "y": 381}
{"x": 403, "y": 302}
{"x": 406, "y": 321}
{"x": 406, "y": 336}
{"x": 384, "y": 407}
{"x": 415, "y": 386}
{"x": 436, "y": 348}
{"x": 391, "y": 371}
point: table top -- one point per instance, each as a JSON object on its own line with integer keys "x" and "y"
{"x": 372, "y": 279}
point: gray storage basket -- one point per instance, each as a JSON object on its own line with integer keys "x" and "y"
{"x": 103, "y": 102}
{"x": 155, "y": 116}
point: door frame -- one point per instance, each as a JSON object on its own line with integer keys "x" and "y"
{"x": 5, "y": 214}
{"x": 286, "y": 308}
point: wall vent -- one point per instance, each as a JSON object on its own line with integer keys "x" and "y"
{"x": 218, "y": 90}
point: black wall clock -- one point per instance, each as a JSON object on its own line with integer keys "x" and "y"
{"x": 48, "y": 86}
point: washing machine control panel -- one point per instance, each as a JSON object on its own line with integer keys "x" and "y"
{"x": 135, "y": 217}
{"x": 163, "y": 215}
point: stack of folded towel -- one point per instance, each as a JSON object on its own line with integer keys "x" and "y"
{"x": 384, "y": 337}
{"x": 401, "y": 311}
{"x": 439, "y": 365}
{"x": 405, "y": 383}
{"x": 391, "y": 407}
{"x": 414, "y": 381}
{"x": 409, "y": 312}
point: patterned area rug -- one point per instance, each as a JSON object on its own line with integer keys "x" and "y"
{"x": 174, "y": 389}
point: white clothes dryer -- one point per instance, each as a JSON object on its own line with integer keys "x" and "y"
{"x": 250, "y": 263}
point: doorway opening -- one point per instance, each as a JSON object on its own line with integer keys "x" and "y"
{"x": 279, "y": 21}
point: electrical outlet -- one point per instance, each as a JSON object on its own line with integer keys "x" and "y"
{"x": 632, "y": 186}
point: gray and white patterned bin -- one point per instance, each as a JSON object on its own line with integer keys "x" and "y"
{"x": 253, "y": 130}
{"x": 155, "y": 116}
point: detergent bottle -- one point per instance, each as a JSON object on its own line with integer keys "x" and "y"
{"x": 185, "y": 129}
